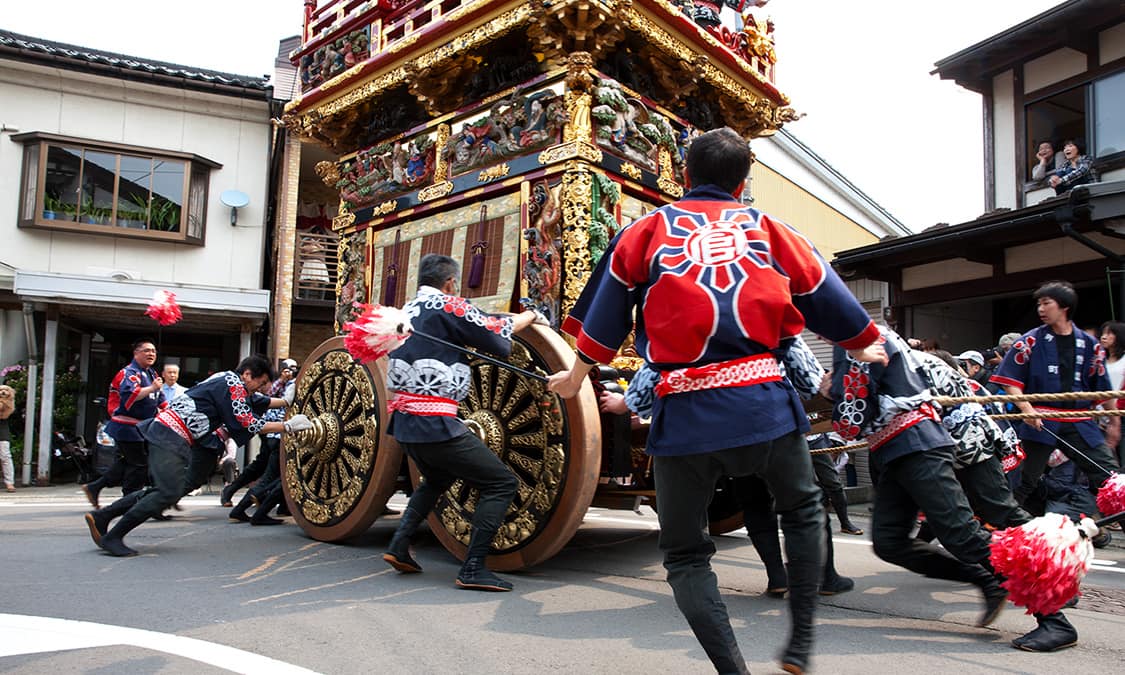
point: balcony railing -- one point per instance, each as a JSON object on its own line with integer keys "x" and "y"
{"x": 343, "y": 33}
{"x": 315, "y": 267}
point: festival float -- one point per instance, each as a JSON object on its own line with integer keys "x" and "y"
{"x": 515, "y": 136}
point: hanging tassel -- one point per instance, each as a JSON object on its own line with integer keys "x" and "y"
{"x": 476, "y": 266}
{"x": 390, "y": 284}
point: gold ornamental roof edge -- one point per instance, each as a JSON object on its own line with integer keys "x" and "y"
{"x": 479, "y": 30}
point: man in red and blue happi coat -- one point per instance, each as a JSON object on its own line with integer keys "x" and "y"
{"x": 714, "y": 287}
{"x": 135, "y": 394}
{"x": 1054, "y": 358}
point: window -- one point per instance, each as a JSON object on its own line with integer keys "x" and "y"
{"x": 100, "y": 188}
{"x": 1109, "y": 127}
{"x": 1089, "y": 113}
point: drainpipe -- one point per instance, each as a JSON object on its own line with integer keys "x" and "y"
{"x": 1077, "y": 209}
{"x": 47, "y": 406}
{"x": 32, "y": 385}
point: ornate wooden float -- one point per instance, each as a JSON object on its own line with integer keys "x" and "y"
{"x": 516, "y": 137}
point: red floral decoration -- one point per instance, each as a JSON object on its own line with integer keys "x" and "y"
{"x": 163, "y": 308}
{"x": 1111, "y": 495}
{"x": 1044, "y": 560}
{"x": 376, "y": 332}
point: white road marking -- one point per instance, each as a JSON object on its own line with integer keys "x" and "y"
{"x": 39, "y": 634}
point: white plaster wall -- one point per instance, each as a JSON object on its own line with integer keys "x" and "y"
{"x": 771, "y": 153}
{"x": 1004, "y": 139}
{"x": 1111, "y": 44}
{"x": 231, "y": 131}
{"x": 1061, "y": 251}
{"x": 944, "y": 272}
{"x": 13, "y": 338}
{"x": 1052, "y": 67}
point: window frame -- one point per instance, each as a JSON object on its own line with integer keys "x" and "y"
{"x": 1086, "y": 83}
{"x": 36, "y": 148}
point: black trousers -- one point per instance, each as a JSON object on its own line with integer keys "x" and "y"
{"x": 1096, "y": 462}
{"x": 684, "y": 486}
{"x": 925, "y": 481}
{"x": 467, "y": 458}
{"x": 989, "y": 494}
{"x": 129, "y": 468}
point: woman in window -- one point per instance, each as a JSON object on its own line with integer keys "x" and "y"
{"x": 1078, "y": 170}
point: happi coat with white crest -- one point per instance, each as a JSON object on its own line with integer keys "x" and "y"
{"x": 710, "y": 280}
{"x": 430, "y": 369}
{"x": 1033, "y": 365}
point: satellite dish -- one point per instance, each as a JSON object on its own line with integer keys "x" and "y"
{"x": 235, "y": 199}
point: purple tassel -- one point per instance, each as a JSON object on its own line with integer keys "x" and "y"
{"x": 390, "y": 287}
{"x": 390, "y": 284}
{"x": 476, "y": 266}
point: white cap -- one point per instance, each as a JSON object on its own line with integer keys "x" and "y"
{"x": 972, "y": 355}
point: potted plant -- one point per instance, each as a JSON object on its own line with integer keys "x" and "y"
{"x": 91, "y": 214}
{"x": 51, "y": 207}
{"x": 165, "y": 215}
{"x": 136, "y": 219}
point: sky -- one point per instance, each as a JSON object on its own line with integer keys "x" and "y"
{"x": 859, "y": 71}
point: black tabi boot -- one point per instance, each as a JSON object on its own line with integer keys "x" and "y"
{"x": 995, "y": 596}
{"x": 841, "y": 507}
{"x": 803, "y": 588}
{"x": 238, "y": 513}
{"x": 91, "y": 491}
{"x": 98, "y": 521}
{"x": 831, "y": 582}
{"x": 398, "y": 552}
{"x": 262, "y": 513}
{"x": 474, "y": 576}
{"x": 769, "y": 550}
{"x": 113, "y": 541}
{"x": 1054, "y": 633}
{"x": 98, "y": 524}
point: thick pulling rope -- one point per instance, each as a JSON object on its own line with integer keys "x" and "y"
{"x": 1017, "y": 398}
{"x": 1031, "y": 398}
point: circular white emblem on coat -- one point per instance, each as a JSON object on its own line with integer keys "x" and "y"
{"x": 713, "y": 244}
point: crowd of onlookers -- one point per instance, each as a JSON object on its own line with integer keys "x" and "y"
{"x": 1063, "y": 489}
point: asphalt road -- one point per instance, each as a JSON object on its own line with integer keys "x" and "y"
{"x": 207, "y": 596}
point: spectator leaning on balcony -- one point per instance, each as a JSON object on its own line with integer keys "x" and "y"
{"x": 1049, "y": 162}
{"x": 1078, "y": 169}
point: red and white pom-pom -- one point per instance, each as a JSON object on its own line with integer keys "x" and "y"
{"x": 1044, "y": 560}
{"x": 164, "y": 309}
{"x": 376, "y": 332}
{"x": 1111, "y": 495}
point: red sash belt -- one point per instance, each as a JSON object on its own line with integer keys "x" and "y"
{"x": 420, "y": 404}
{"x": 125, "y": 419}
{"x": 900, "y": 423}
{"x": 742, "y": 372}
{"x": 176, "y": 424}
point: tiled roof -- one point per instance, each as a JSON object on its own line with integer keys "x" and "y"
{"x": 28, "y": 48}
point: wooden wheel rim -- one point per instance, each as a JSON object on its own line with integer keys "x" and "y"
{"x": 338, "y": 476}
{"x": 510, "y": 410}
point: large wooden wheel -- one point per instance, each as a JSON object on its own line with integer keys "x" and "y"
{"x": 552, "y": 445}
{"x": 338, "y": 476}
